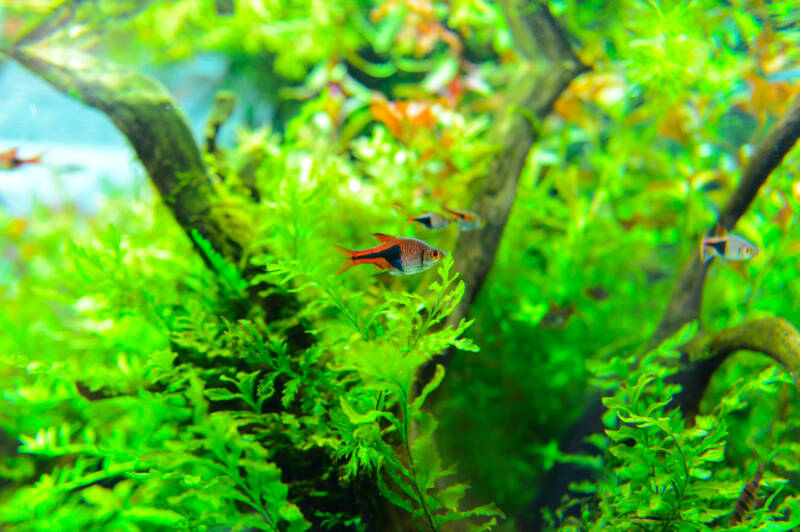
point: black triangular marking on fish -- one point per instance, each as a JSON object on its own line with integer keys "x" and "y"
{"x": 719, "y": 246}
{"x": 425, "y": 220}
{"x": 390, "y": 254}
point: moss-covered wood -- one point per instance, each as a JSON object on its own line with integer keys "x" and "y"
{"x": 549, "y": 68}
{"x": 146, "y": 114}
{"x": 685, "y": 302}
{"x": 775, "y": 337}
{"x": 683, "y": 307}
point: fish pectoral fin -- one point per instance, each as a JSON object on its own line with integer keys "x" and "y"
{"x": 383, "y": 238}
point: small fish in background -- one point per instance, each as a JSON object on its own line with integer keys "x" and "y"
{"x": 727, "y": 247}
{"x": 398, "y": 256}
{"x": 10, "y": 160}
{"x": 224, "y": 7}
{"x": 431, "y": 220}
{"x": 748, "y": 497}
{"x": 558, "y": 317}
{"x": 466, "y": 220}
{"x": 598, "y": 293}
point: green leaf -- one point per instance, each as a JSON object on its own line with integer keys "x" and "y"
{"x": 389, "y": 28}
{"x": 432, "y": 384}
{"x": 221, "y": 394}
{"x": 443, "y": 71}
{"x": 154, "y": 516}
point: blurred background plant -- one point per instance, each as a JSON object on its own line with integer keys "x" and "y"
{"x": 145, "y": 390}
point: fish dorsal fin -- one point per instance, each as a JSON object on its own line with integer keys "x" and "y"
{"x": 455, "y": 214}
{"x": 383, "y": 238}
{"x": 719, "y": 231}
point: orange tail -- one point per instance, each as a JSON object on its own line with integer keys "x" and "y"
{"x": 349, "y": 262}
{"x": 32, "y": 160}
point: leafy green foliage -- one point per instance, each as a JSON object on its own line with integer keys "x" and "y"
{"x": 146, "y": 391}
{"x": 664, "y": 473}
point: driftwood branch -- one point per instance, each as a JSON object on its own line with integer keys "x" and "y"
{"x": 683, "y": 307}
{"x": 224, "y": 105}
{"x": 146, "y": 114}
{"x": 549, "y": 67}
{"x": 143, "y": 110}
{"x": 684, "y": 304}
{"x": 774, "y": 337}
{"x": 536, "y": 91}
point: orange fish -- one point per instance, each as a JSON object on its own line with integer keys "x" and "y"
{"x": 431, "y": 220}
{"x": 465, "y": 219}
{"x": 398, "y": 256}
{"x": 10, "y": 161}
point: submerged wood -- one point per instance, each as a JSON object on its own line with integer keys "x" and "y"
{"x": 549, "y": 68}
{"x": 143, "y": 110}
{"x": 683, "y": 307}
{"x": 685, "y": 302}
{"x": 775, "y": 337}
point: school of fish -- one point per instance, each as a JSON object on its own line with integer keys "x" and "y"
{"x": 408, "y": 256}
{"x": 405, "y": 255}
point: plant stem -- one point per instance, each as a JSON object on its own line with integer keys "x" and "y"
{"x": 420, "y": 495}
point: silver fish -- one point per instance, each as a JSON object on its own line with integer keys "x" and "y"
{"x": 728, "y": 247}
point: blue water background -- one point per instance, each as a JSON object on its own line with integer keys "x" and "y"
{"x": 83, "y": 152}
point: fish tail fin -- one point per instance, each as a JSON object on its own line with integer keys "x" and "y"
{"x": 707, "y": 252}
{"x": 713, "y": 247}
{"x": 349, "y": 262}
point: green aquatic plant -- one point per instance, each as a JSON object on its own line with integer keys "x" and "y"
{"x": 662, "y": 472}
{"x": 214, "y": 373}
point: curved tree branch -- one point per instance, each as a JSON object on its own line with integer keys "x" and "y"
{"x": 144, "y": 111}
{"x": 683, "y": 307}
{"x": 775, "y": 337}
{"x": 549, "y": 67}
{"x": 146, "y": 114}
{"x": 684, "y": 304}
